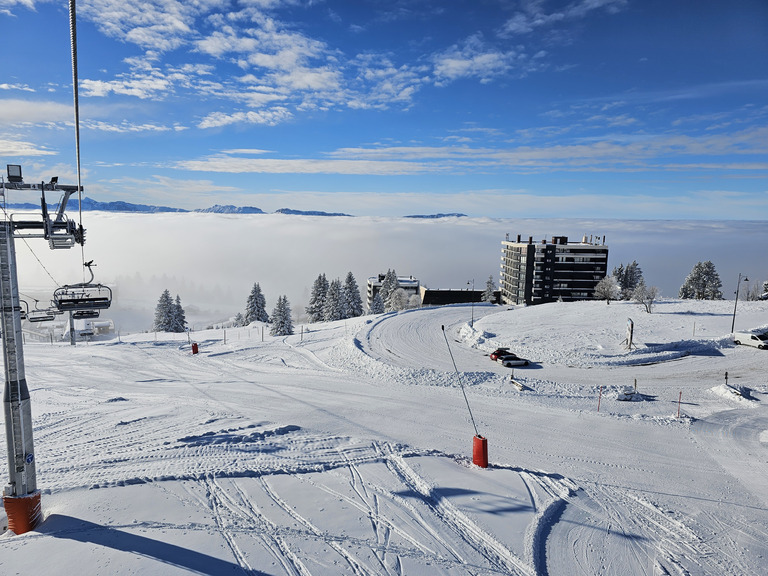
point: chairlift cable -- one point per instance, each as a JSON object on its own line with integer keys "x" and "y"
{"x": 73, "y": 38}
{"x": 39, "y": 261}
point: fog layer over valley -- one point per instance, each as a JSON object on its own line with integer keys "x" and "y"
{"x": 213, "y": 260}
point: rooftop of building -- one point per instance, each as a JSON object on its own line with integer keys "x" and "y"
{"x": 591, "y": 240}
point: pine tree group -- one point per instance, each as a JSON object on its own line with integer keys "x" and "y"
{"x": 628, "y": 278}
{"x": 333, "y": 300}
{"x": 703, "y": 283}
{"x": 169, "y": 314}
{"x": 388, "y": 287}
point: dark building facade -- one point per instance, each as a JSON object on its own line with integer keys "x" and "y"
{"x": 535, "y": 273}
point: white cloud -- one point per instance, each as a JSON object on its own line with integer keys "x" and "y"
{"x": 238, "y": 165}
{"x": 6, "y": 5}
{"x": 21, "y": 87}
{"x": 602, "y": 154}
{"x": 126, "y": 127}
{"x": 270, "y": 117}
{"x": 151, "y": 86}
{"x": 473, "y": 58}
{"x": 255, "y": 151}
{"x": 221, "y": 42}
{"x": 11, "y": 148}
{"x": 281, "y": 62}
{"x": 156, "y": 24}
{"x": 15, "y": 112}
{"x": 380, "y": 83}
{"x": 533, "y": 16}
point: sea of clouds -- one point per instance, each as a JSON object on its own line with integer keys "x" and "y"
{"x": 212, "y": 260}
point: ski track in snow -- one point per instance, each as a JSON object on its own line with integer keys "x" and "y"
{"x": 285, "y": 498}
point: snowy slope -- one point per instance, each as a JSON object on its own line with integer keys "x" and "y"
{"x": 346, "y": 448}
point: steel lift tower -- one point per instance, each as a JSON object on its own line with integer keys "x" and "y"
{"x": 21, "y": 497}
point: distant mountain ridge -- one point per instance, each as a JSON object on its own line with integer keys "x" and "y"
{"x": 128, "y": 207}
{"x": 229, "y": 209}
{"x": 308, "y": 212}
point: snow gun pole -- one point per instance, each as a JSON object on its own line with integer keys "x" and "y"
{"x": 460, "y": 383}
{"x": 479, "y": 443}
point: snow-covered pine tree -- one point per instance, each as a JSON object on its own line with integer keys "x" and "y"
{"x": 239, "y": 319}
{"x": 352, "y": 298}
{"x": 256, "y": 306}
{"x": 490, "y": 288}
{"x": 282, "y": 324}
{"x": 388, "y": 285}
{"x": 164, "y": 313}
{"x": 317, "y": 299}
{"x": 703, "y": 283}
{"x": 618, "y": 274}
{"x": 628, "y": 278}
{"x": 334, "y": 305}
{"x": 634, "y": 277}
{"x": 179, "y": 323}
{"x": 377, "y": 305}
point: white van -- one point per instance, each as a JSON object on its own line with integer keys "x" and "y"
{"x": 756, "y": 338}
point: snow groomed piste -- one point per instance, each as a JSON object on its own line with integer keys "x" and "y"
{"x": 346, "y": 450}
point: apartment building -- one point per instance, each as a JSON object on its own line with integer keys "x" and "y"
{"x": 538, "y": 272}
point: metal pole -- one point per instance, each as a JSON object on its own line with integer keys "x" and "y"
{"x": 71, "y": 329}
{"x": 472, "y": 304}
{"x": 16, "y": 401}
{"x": 738, "y": 284}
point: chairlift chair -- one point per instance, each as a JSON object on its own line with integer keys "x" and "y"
{"x": 79, "y": 297}
{"x": 85, "y": 296}
{"x": 41, "y": 315}
{"x": 82, "y": 314}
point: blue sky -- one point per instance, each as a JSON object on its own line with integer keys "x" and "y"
{"x": 585, "y": 108}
